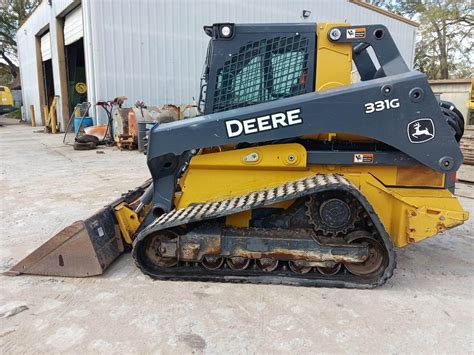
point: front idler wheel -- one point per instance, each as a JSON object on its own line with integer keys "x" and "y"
{"x": 155, "y": 249}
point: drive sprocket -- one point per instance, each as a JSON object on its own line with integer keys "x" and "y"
{"x": 332, "y": 213}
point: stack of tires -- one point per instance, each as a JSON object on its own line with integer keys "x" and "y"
{"x": 86, "y": 142}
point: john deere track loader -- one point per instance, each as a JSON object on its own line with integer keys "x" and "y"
{"x": 294, "y": 174}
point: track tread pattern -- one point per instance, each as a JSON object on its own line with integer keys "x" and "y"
{"x": 291, "y": 190}
{"x": 215, "y": 209}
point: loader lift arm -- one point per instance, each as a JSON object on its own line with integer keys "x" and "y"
{"x": 339, "y": 110}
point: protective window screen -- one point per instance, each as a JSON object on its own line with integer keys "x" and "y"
{"x": 284, "y": 74}
{"x": 248, "y": 82}
{"x": 262, "y": 71}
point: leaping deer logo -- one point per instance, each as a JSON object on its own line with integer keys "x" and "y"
{"x": 421, "y": 130}
{"x": 418, "y": 132}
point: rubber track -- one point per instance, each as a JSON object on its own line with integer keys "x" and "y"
{"x": 288, "y": 191}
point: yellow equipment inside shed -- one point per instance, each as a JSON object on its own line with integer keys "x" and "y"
{"x": 6, "y": 100}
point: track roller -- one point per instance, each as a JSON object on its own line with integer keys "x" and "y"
{"x": 212, "y": 262}
{"x": 298, "y": 267}
{"x": 267, "y": 264}
{"x": 238, "y": 263}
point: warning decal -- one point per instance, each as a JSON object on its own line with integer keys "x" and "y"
{"x": 364, "y": 158}
{"x": 353, "y": 33}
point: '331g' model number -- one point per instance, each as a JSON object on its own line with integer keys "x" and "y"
{"x": 381, "y": 105}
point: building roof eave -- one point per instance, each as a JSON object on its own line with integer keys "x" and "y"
{"x": 450, "y": 81}
{"x": 384, "y": 12}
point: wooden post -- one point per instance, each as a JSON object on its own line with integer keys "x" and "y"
{"x": 45, "y": 114}
{"x": 54, "y": 121}
{"x": 32, "y": 115}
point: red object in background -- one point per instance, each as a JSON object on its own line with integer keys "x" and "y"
{"x": 132, "y": 124}
{"x": 303, "y": 77}
{"x": 452, "y": 177}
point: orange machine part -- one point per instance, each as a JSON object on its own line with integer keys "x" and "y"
{"x": 132, "y": 125}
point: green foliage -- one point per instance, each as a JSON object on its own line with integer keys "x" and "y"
{"x": 444, "y": 44}
{"x": 14, "y": 114}
{"x": 5, "y": 76}
{"x": 13, "y": 13}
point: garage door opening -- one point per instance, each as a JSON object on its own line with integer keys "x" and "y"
{"x": 48, "y": 81}
{"x": 47, "y": 66}
{"x": 76, "y": 74}
{"x": 75, "y": 60}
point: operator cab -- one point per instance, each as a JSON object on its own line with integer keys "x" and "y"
{"x": 254, "y": 63}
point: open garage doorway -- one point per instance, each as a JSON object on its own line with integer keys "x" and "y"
{"x": 47, "y": 69}
{"x": 76, "y": 74}
{"x": 48, "y": 81}
{"x": 75, "y": 59}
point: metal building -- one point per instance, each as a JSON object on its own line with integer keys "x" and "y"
{"x": 152, "y": 50}
{"x": 457, "y": 91}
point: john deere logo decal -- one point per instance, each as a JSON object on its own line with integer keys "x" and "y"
{"x": 421, "y": 131}
{"x": 276, "y": 120}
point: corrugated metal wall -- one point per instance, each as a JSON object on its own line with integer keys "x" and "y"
{"x": 44, "y": 18}
{"x": 154, "y": 50}
{"x": 26, "y": 42}
{"x": 457, "y": 92}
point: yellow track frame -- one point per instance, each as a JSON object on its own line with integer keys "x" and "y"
{"x": 409, "y": 213}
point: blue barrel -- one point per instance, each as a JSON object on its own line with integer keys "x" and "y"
{"x": 86, "y": 122}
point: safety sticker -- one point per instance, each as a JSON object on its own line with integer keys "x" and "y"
{"x": 353, "y": 33}
{"x": 364, "y": 158}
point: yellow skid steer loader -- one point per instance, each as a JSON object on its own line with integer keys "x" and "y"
{"x": 294, "y": 174}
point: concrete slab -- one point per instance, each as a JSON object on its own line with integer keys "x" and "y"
{"x": 426, "y": 307}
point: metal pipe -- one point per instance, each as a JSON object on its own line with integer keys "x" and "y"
{"x": 145, "y": 199}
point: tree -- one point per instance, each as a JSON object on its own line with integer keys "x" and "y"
{"x": 13, "y": 13}
{"x": 445, "y": 37}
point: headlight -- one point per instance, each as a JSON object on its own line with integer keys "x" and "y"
{"x": 226, "y": 31}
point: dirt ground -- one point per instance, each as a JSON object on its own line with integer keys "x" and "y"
{"x": 426, "y": 307}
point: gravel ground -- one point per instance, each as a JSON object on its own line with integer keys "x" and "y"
{"x": 426, "y": 307}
